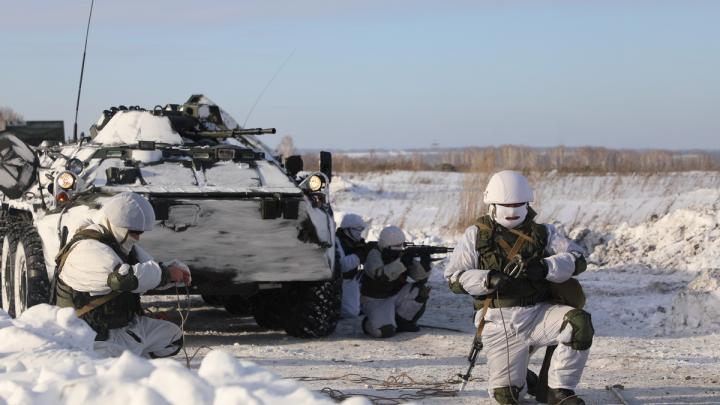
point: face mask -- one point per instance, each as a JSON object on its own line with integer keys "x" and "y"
{"x": 390, "y": 255}
{"x": 128, "y": 244}
{"x": 354, "y": 233}
{"x": 502, "y": 213}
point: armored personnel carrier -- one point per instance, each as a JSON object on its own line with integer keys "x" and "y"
{"x": 258, "y": 234}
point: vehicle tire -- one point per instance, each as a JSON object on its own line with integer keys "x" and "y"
{"x": 6, "y": 293}
{"x": 24, "y": 267}
{"x": 237, "y": 305}
{"x": 312, "y": 310}
{"x": 267, "y": 310}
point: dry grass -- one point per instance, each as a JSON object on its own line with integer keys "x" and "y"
{"x": 588, "y": 160}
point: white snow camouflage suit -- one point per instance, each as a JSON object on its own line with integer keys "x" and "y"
{"x": 534, "y": 324}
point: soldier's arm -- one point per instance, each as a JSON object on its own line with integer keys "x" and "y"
{"x": 347, "y": 262}
{"x": 462, "y": 273}
{"x": 566, "y": 257}
{"x": 376, "y": 269}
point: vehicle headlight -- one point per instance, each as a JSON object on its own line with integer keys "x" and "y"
{"x": 75, "y": 165}
{"x": 315, "y": 183}
{"x": 66, "y": 180}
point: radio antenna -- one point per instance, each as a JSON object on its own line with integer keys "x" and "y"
{"x": 257, "y": 100}
{"x": 82, "y": 70}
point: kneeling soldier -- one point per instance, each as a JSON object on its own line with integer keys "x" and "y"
{"x": 102, "y": 272}
{"x": 519, "y": 272}
{"x": 391, "y": 303}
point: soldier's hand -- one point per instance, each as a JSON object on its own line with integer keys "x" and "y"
{"x": 178, "y": 274}
{"x": 496, "y": 280}
{"x": 536, "y": 270}
{"x": 361, "y": 252}
{"x": 406, "y": 260}
{"x": 426, "y": 262}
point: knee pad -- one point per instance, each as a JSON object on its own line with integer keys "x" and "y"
{"x": 582, "y": 329}
{"x": 423, "y": 293}
{"x": 507, "y": 395}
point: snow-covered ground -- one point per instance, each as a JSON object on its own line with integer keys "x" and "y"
{"x": 652, "y": 286}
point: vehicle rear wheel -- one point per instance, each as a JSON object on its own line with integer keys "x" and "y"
{"x": 312, "y": 310}
{"x": 24, "y": 267}
{"x": 267, "y": 310}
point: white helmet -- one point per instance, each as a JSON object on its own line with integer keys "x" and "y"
{"x": 352, "y": 221}
{"x": 391, "y": 236}
{"x": 129, "y": 211}
{"x": 508, "y": 187}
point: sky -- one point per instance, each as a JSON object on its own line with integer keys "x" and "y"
{"x": 383, "y": 74}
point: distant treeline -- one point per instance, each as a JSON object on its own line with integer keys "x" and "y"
{"x": 561, "y": 159}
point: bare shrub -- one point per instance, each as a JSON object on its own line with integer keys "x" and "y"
{"x": 590, "y": 160}
{"x": 9, "y": 117}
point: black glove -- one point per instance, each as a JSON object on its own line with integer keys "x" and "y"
{"x": 496, "y": 280}
{"x": 361, "y": 252}
{"x": 406, "y": 260}
{"x": 426, "y": 262}
{"x": 536, "y": 270}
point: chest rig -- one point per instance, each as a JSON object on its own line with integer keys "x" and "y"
{"x": 103, "y": 312}
{"x": 497, "y": 247}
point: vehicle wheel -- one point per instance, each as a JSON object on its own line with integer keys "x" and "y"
{"x": 313, "y": 309}
{"x": 237, "y": 305}
{"x": 6, "y": 293}
{"x": 24, "y": 267}
{"x": 267, "y": 310}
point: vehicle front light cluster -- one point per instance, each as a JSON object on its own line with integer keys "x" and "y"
{"x": 315, "y": 183}
{"x": 65, "y": 180}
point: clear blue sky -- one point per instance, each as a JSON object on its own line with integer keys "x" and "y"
{"x": 385, "y": 74}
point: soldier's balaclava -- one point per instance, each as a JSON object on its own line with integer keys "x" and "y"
{"x": 502, "y": 214}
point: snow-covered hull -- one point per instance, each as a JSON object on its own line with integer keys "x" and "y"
{"x": 227, "y": 243}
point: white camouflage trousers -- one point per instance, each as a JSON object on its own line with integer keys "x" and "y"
{"x": 144, "y": 336}
{"x": 535, "y": 327}
{"x": 382, "y": 311}
{"x": 350, "y": 298}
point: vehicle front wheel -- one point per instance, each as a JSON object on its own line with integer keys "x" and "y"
{"x": 23, "y": 266}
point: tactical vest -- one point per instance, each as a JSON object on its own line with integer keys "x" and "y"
{"x": 496, "y": 246}
{"x": 105, "y": 312}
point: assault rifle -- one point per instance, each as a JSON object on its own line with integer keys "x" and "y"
{"x": 413, "y": 250}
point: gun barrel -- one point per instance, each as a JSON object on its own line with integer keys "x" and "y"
{"x": 254, "y": 131}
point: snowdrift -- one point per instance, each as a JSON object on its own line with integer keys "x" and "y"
{"x": 46, "y": 357}
{"x": 696, "y": 309}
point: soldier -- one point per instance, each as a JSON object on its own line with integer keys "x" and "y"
{"x": 351, "y": 252}
{"x": 391, "y": 303}
{"x": 519, "y": 271}
{"x": 102, "y": 272}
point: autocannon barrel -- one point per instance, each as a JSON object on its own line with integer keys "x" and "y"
{"x": 254, "y": 131}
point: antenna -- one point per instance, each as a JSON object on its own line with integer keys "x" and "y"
{"x": 257, "y": 100}
{"x": 82, "y": 70}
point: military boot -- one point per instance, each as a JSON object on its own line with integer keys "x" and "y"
{"x": 562, "y": 396}
{"x": 404, "y": 325}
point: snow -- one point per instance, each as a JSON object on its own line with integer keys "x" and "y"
{"x": 129, "y": 127}
{"x": 653, "y": 288}
{"x": 46, "y": 357}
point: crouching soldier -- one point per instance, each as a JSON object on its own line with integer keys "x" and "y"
{"x": 102, "y": 272}
{"x": 520, "y": 272}
{"x": 351, "y": 251}
{"x": 390, "y": 302}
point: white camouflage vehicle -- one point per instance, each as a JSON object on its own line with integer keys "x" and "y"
{"x": 257, "y": 234}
